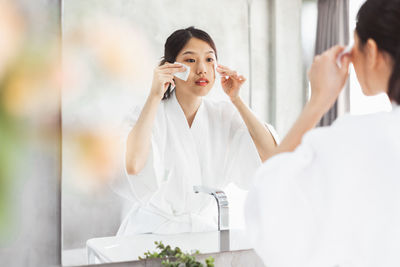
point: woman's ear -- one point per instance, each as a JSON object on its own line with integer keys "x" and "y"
{"x": 372, "y": 53}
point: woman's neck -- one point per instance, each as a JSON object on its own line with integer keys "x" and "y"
{"x": 189, "y": 104}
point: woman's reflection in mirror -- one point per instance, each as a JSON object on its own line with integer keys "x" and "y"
{"x": 179, "y": 139}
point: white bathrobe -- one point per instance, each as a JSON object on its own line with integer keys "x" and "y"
{"x": 335, "y": 200}
{"x": 214, "y": 152}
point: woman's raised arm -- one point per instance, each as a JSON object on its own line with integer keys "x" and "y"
{"x": 139, "y": 138}
{"x": 327, "y": 80}
{"x": 261, "y": 136}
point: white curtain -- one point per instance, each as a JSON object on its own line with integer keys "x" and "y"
{"x": 333, "y": 29}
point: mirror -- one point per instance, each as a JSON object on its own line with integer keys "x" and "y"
{"x": 110, "y": 49}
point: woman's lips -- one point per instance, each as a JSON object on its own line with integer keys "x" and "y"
{"x": 202, "y": 82}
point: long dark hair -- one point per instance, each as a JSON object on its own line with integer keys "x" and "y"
{"x": 177, "y": 40}
{"x": 380, "y": 21}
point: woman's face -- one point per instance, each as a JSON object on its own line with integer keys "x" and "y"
{"x": 200, "y": 57}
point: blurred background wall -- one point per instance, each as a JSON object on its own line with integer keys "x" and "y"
{"x": 30, "y": 99}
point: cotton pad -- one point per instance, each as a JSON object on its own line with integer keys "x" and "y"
{"x": 215, "y": 70}
{"x": 184, "y": 74}
{"x": 347, "y": 50}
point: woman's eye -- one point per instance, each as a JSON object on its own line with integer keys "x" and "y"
{"x": 210, "y": 59}
{"x": 189, "y": 60}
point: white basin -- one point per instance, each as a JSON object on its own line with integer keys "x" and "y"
{"x": 129, "y": 248}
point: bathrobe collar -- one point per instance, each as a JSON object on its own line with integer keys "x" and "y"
{"x": 180, "y": 115}
{"x": 178, "y": 126}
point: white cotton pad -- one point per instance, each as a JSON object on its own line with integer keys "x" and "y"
{"x": 183, "y": 75}
{"x": 347, "y": 50}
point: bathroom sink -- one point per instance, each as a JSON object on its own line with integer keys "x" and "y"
{"x": 129, "y": 248}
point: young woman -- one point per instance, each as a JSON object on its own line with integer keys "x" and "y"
{"x": 179, "y": 140}
{"x": 333, "y": 199}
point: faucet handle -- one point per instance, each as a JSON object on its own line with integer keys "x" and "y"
{"x": 222, "y": 198}
{"x": 222, "y": 203}
{"x": 204, "y": 189}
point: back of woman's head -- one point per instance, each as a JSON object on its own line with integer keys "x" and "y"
{"x": 177, "y": 40}
{"x": 380, "y": 20}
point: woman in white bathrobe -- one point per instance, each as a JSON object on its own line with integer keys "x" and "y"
{"x": 331, "y": 196}
{"x": 179, "y": 140}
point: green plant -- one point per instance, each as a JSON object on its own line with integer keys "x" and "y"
{"x": 175, "y": 257}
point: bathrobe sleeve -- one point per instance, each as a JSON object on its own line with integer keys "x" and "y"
{"x": 280, "y": 221}
{"x": 333, "y": 201}
{"x": 140, "y": 187}
{"x": 243, "y": 158}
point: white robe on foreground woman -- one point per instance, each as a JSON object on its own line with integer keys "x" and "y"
{"x": 335, "y": 200}
{"x": 214, "y": 152}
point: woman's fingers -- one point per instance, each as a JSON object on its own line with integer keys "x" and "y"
{"x": 170, "y": 65}
{"x": 171, "y": 70}
{"x": 335, "y": 51}
{"x": 224, "y": 79}
{"x": 228, "y": 74}
{"x": 222, "y": 72}
{"x": 326, "y": 77}
{"x": 330, "y": 54}
{"x": 345, "y": 61}
{"x": 316, "y": 58}
{"x": 225, "y": 71}
{"x": 166, "y": 76}
{"x": 222, "y": 67}
{"x": 171, "y": 81}
{"x": 175, "y": 70}
{"x": 163, "y": 76}
{"x": 168, "y": 79}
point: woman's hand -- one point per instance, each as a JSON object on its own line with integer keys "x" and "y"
{"x": 230, "y": 81}
{"x": 164, "y": 76}
{"x": 326, "y": 78}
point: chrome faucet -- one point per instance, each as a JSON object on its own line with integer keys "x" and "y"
{"x": 223, "y": 213}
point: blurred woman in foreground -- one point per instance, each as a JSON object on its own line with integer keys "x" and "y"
{"x": 330, "y": 196}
